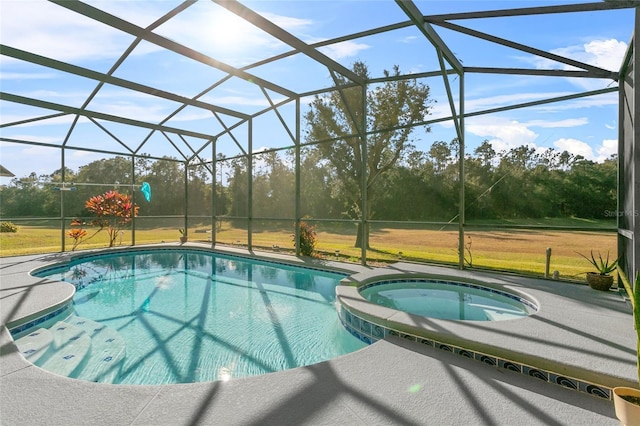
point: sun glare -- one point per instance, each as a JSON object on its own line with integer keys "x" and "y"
{"x": 228, "y": 33}
{"x": 224, "y": 374}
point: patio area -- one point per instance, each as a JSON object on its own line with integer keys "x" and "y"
{"x": 394, "y": 381}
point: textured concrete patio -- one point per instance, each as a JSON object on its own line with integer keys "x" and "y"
{"x": 390, "y": 382}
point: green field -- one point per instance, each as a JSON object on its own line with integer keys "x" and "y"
{"x": 516, "y": 250}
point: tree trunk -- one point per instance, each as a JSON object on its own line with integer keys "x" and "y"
{"x": 359, "y": 236}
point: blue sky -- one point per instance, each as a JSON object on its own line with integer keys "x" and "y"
{"x": 585, "y": 126}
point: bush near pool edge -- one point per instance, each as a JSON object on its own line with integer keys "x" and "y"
{"x": 307, "y": 238}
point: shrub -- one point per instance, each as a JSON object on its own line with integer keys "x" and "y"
{"x": 8, "y": 227}
{"x": 113, "y": 210}
{"x": 307, "y": 238}
{"x": 78, "y": 233}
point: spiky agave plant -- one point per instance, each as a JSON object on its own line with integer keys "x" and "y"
{"x": 603, "y": 266}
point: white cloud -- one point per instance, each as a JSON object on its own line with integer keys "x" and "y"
{"x": 569, "y": 122}
{"x": 287, "y": 22}
{"x": 238, "y": 100}
{"x": 607, "y": 54}
{"x": 408, "y": 39}
{"x": 604, "y": 100}
{"x": 50, "y": 30}
{"x": 25, "y": 76}
{"x": 498, "y": 101}
{"x": 192, "y": 116}
{"x": 503, "y": 134}
{"x": 575, "y": 146}
{"x": 578, "y": 147}
{"x": 441, "y": 107}
{"x": 344, "y": 49}
{"x": 127, "y": 109}
{"x": 607, "y": 149}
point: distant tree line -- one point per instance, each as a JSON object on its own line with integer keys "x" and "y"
{"x": 424, "y": 186}
{"x": 353, "y": 166}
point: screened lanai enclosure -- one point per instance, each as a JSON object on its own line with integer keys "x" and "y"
{"x": 477, "y": 134}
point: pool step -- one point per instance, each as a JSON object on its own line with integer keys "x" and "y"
{"x": 34, "y": 345}
{"x": 77, "y": 347}
{"x": 69, "y": 347}
{"x": 107, "y": 353}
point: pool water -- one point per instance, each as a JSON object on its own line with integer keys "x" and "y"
{"x": 448, "y": 300}
{"x": 193, "y": 316}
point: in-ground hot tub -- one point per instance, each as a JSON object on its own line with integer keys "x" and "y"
{"x": 449, "y": 300}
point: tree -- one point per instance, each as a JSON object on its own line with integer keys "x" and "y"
{"x": 166, "y": 177}
{"x": 317, "y": 186}
{"x": 441, "y": 155}
{"x": 591, "y": 188}
{"x": 199, "y": 190}
{"x": 113, "y": 211}
{"x": 335, "y": 126}
{"x": 273, "y": 186}
{"x": 96, "y": 177}
{"x": 238, "y": 186}
{"x": 31, "y": 196}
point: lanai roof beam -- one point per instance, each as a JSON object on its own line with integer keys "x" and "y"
{"x": 284, "y": 36}
{"x": 541, "y": 10}
{"x": 595, "y": 71}
{"x": 417, "y": 18}
{"x": 105, "y": 78}
{"x": 99, "y": 115}
{"x": 127, "y": 27}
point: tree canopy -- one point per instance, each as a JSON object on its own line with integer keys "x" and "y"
{"x": 363, "y": 136}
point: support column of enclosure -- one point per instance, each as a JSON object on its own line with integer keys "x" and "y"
{"x": 62, "y": 224}
{"x": 133, "y": 199}
{"x": 250, "y": 186}
{"x": 458, "y": 123}
{"x": 365, "y": 170}
{"x": 214, "y": 192}
{"x": 297, "y": 174}
{"x": 634, "y": 140}
{"x": 444, "y": 53}
{"x": 186, "y": 196}
{"x": 628, "y": 158}
{"x": 461, "y": 221}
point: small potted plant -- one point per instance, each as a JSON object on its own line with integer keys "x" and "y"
{"x": 602, "y": 279}
{"x": 183, "y": 235}
{"x": 627, "y": 400}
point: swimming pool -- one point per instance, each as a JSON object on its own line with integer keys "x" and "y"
{"x": 448, "y": 300}
{"x": 192, "y": 316}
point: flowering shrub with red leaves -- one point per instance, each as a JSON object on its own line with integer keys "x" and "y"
{"x": 113, "y": 211}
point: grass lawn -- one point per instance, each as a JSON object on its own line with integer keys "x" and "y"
{"x": 516, "y": 250}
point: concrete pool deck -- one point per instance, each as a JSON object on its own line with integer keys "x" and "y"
{"x": 393, "y": 381}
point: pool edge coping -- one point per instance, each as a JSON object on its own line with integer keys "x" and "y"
{"x": 406, "y": 325}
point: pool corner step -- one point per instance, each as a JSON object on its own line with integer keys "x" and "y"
{"x": 68, "y": 349}
{"x": 35, "y": 344}
{"x": 106, "y": 354}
